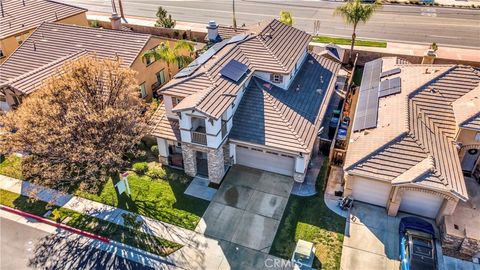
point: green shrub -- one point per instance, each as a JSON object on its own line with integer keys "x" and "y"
{"x": 140, "y": 167}
{"x": 156, "y": 173}
{"x": 154, "y": 150}
{"x": 130, "y": 220}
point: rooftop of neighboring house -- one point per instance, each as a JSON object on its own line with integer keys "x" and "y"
{"x": 411, "y": 139}
{"x": 19, "y": 16}
{"x": 467, "y": 110}
{"x": 52, "y": 44}
{"x": 268, "y": 46}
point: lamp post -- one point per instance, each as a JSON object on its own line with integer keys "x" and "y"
{"x": 234, "y": 19}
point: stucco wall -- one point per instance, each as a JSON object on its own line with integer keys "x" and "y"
{"x": 146, "y": 74}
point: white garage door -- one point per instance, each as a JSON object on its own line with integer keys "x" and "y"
{"x": 371, "y": 191}
{"x": 420, "y": 203}
{"x": 266, "y": 161}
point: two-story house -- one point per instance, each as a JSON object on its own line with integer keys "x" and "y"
{"x": 256, "y": 99}
{"x": 18, "y": 19}
{"x": 415, "y": 132}
{"x": 53, "y": 44}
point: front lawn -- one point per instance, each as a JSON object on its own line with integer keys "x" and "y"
{"x": 158, "y": 194}
{"x": 308, "y": 218}
{"x": 11, "y": 166}
{"x": 127, "y": 235}
{"x": 348, "y": 41}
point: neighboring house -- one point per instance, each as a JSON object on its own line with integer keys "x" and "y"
{"x": 412, "y": 127}
{"x": 52, "y": 44}
{"x": 19, "y": 18}
{"x": 257, "y": 99}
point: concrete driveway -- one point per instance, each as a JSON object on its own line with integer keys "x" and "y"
{"x": 247, "y": 208}
{"x": 371, "y": 240}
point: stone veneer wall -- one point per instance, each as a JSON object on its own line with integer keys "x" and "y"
{"x": 215, "y": 157}
{"x": 461, "y": 244}
{"x": 216, "y": 165}
{"x": 189, "y": 159}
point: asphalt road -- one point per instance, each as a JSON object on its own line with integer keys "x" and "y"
{"x": 446, "y": 26}
{"x": 24, "y": 247}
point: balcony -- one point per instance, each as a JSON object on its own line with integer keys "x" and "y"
{"x": 199, "y": 136}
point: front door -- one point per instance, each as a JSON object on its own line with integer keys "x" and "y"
{"x": 202, "y": 164}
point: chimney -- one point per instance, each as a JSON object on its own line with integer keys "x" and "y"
{"x": 212, "y": 28}
{"x": 429, "y": 57}
{"x": 115, "y": 19}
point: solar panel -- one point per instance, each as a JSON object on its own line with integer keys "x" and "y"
{"x": 390, "y": 87}
{"x": 237, "y": 38}
{"x": 234, "y": 70}
{"x": 391, "y": 72}
{"x": 202, "y": 59}
{"x": 367, "y": 105}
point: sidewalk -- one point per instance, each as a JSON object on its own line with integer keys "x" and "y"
{"x": 198, "y": 252}
{"x": 396, "y": 48}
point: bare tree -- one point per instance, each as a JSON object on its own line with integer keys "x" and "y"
{"x": 77, "y": 128}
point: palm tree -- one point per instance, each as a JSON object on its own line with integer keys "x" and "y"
{"x": 171, "y": 55}
{"x": 286, "y": 18}
{"x": 354, "y": 12}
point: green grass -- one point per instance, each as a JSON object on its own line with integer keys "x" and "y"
{"x": 94, "y": 225}
{"x": 159, "y": 196}
{"x": 310, "y": 219}
{"x": 12, "y": 166}
{"x": 348, "y": 41}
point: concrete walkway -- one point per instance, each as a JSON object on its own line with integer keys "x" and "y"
{"x": 199, "y": 251}
{"x": 199, "y": 188}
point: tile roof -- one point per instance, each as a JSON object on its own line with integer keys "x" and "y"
{"x": 287, "y": 119}
{"x": 466, "y": 110}
{"x": 24, "y": 15}
{"x": 413, "y": 125}
{"x": 163, "y": 127}
{"x": 271, "y": 47}
{"x": 53, "y": 43}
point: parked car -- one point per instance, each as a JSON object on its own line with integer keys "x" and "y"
{"x": 417, "y": 244}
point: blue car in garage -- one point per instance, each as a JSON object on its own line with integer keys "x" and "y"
{"x": 417, "y": 244}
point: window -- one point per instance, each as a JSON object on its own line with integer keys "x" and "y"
{"x": 143, "y": 90}
{"x": 176, "y": 100}
{"x": 1, "y": 53}
{"x": 276, "y": 78}
{"x": 160, "y": 77}
{"x": 272, "y": 153}
{"x": 149, "y": 60}
{"x": 3, "y": 98}
{"x": 477, "y": 137}
{"x": 256, "y": 149}
{"x": 181, "y": 64}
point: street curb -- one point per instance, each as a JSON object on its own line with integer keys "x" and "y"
{"x": 55, "y": 224}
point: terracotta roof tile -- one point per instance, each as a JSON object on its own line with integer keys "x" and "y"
{"x": 416, "y": 123}
{"x": 24, "y": 15}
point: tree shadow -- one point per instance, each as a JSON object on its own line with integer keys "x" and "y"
{"x": 59, "y": 252}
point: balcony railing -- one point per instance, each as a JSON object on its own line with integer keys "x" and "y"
{"x": 199, "y": 137}
{"x": 224, "y": 129}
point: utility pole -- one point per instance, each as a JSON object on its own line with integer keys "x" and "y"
{"x": 234, "y": 19}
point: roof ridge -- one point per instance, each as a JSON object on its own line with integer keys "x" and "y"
{"x": 288, "y": 124}
{"x": 366, "y": 157}
{"x": 270, "y": 52}
{"x": 51, "y": 64}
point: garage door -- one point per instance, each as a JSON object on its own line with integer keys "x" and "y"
{"x": 272, "y": 162}
{"x": 420, "y": 203}
{"x": 371, "y": 191}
